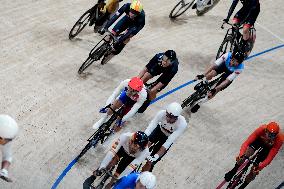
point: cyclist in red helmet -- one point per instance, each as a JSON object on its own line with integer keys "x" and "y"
{"x": 127, "y": 152}
{"x": 132, "y": 94}
{"x": 269, "y": 138}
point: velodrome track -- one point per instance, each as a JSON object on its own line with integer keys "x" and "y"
{"x": 55, "y": 108}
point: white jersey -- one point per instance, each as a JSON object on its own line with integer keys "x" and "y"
{"x": 140, "y": 98}
{"x": 6, "y": 152}
{"x": 173, "y": 131}
{"x": 123, "y": 141}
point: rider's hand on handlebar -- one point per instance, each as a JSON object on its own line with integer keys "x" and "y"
{"x": 255, "y": 170}
{"x": 226, "y": 20}
{"x": 102, "y": 31}
{"x": 199, "y": 77}
{"x": 98, "y": 172}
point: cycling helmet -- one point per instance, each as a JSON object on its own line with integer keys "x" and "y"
{"x": 136, "y": 84}
{"x": 8, "y": 127}
{"x": 174, "y": 109}
{"x": 239, "y": 56}
{"x": 141, "y": 139}
{"x": 171, "y": 54}
{"x": 147, "y": 179}
{"x": 273, "y": 127}
{"x": 136, "y": 6}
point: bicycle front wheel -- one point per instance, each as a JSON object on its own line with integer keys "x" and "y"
{"x": 225, "y": 46}
{"x": 180, "y": 8}
{"x": 190, "y": 100}
{"x": 80, "y": 24}
{"x": 89, "y": 61}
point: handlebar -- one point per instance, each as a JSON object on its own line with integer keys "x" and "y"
{"x": 113, "y": 111}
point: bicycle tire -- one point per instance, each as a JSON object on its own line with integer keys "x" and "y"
{"x": 89, "y": 61}
{"x": 85, "y": 149}
{"x": 81, "y": 22}
{"x": 181, "y": 9}
{"x": 224, "y": 46}
{"x": 186, "y": 102}
{"x": 205, "y": 10}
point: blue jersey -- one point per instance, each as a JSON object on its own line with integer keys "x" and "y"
{"x": 127, "y": 182}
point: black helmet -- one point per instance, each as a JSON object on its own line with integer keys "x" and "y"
{"x": 171, "y": 54}
{"x": 141, "y": 139}
{"x": 239, "y": 56}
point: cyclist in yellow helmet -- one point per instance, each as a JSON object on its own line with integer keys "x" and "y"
{"x": 131, "y": 23}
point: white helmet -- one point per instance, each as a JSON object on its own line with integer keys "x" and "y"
{"x": 174, "y": 108}
{"x": 8, "y": 127}
{"x": 147, "y": 179}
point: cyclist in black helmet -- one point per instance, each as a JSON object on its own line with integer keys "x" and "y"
{"x": 127, "y": 152}
{"x": 163, "y": 64}
{"x": 230, "y": 65}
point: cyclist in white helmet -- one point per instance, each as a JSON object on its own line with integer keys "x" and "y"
{"x": 163, "y": 131}
{"x": 144, "y": 180}
{"x": 8, "y": 131}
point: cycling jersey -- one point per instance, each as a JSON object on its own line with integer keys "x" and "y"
{"x": 127, "y": 182}
{"x": 223, "y": 65}
{"x": 248, "y": 13}
{"x": 123, "y": 143}
{"x": 259, "y": 135}
{"x": 167, "y": 73}
{"x": 6, "y": 152}
{"x": 171, "y": 130}
{"x": 138, "y": 99}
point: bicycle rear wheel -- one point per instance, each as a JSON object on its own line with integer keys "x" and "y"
{"x": 225, "y": 46}
{"x": 180, "y": 8}
{"x": 89, "y": 61}
{"x": 80, "y": 24}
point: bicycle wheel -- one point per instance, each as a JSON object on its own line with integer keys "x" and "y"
{"x": 225, "y": 46}
{"x": 180, "y": 8}
{"x": 190, "y": 100}
{"x": 206, "y": 9}
{"x": 85, "y": 65}
{"x": 80, "y": 24}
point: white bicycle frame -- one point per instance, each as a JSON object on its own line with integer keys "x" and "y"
{"x": 202, "y": 4}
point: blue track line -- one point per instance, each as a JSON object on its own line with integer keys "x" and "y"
{"x": 72, "y": 163}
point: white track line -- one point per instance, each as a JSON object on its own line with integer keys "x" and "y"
{"x": 269, "y": 31}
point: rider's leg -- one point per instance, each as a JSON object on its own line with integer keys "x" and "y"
{"x": 114, "y": 106}
{"x": 229, "y": 175}
{"x": 210, "y": 75}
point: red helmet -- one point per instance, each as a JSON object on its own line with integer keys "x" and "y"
{"x": 136, "y": 84}
{"x": 273, "y": 127}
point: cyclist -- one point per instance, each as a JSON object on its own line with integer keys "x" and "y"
{"x": 269, "y": 138}
{"x": 128, "y": 151}
{"x": 106, "y": 8}
{"x": 247, "y": 15}
{"x": 132, "y": 94}
{"x": 132, "y": 22}
{"x": 164, "y": 64}
{"x": 230, "y": 66}
{"x": 163, "y": 131}
{"x": 8, "y": 131}
{"x": 136, "y": 181}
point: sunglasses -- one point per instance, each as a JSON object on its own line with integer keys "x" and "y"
{"x": 171, "y": 116}
{"x": 271, "y": 135}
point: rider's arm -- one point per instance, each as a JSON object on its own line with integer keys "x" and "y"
{"x": 251, "y": 139}
{"x": 7, "y": 152}
{"x": 136, "y": 106}
{"x": 217, "y": 63}
{"x": 135, "y": 163}
{"x": 232, "y": 8}
{"x": 182, "y": 126}
{"x": 168, "y": 75}
{"x": 116, "y": 15}
{"x": 272, "y": 153}
{"x": 117, "y": 91}
{"x": 154, "y": 123}
{"x": 225, "y": 83}
{"x": 141, "y": 74}
{"x": 114, "y": 149}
